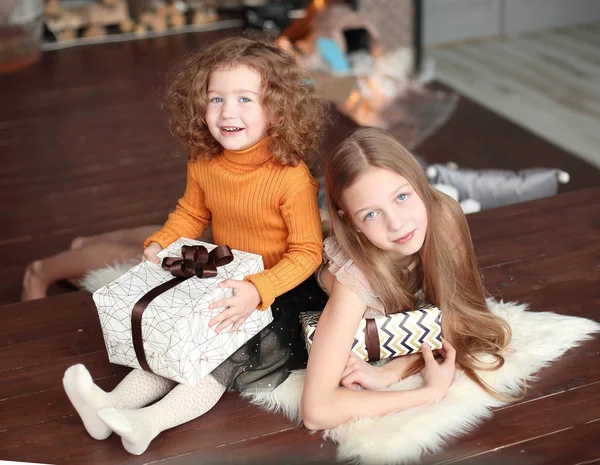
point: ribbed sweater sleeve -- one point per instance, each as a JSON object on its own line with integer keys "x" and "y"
{"x": 190, "y": 217}
{"x": 304, "y": 253}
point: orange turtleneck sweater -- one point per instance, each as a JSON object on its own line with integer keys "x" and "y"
{"x": 255, "y": 205}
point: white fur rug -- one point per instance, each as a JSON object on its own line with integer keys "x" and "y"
{"x": 403, "y": 437}
{"x": 95, "y": 279}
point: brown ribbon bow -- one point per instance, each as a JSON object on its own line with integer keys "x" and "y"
{"x": 196, "y": 261}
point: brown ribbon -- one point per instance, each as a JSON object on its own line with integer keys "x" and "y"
{"x": 196, "y": 261}
{"x": 372, "y": 339}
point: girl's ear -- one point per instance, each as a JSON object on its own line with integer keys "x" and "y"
{"x": 341, "y": 213}
{"x": 275, "y": 120}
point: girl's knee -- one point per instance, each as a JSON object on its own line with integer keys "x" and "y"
{"x": 77, "y": 243}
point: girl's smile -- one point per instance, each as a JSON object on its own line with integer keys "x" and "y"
{"x": 406, "y": 238}
{"x": 228, "y": 130}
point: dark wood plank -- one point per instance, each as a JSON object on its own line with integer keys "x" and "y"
{"x": 576, "y": 445}
{"x": 550, "y": 415}
{"x": 40, "y": 377}
{"x": 579, "y": 205}
{"x": 51, "y": 347}
{"x": 232, "y": 422}
{"x": 51, "y": 317}
{"x": 294, "y": 446}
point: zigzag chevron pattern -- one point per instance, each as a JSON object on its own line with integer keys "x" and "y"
{"x": 399, "y": 333}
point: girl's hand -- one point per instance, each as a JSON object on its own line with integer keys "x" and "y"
{"x": 239, "y": 307}
{"x": 438, "y": 377}
{"x": 359, "y": 373}
{"x": 151, "y": 251}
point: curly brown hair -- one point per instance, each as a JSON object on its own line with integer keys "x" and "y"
{"x": 287, "y": 94}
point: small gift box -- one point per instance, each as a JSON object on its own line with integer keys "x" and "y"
{"x": 156, "y": 317}
{"x": 391, "y": 336}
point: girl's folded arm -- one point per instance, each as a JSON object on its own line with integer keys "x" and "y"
{"x": 324, "y": 403}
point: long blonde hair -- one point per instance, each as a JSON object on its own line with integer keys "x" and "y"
{"x": 445, "y": 267}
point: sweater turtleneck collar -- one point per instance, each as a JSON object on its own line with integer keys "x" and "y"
{"x": 252, "y": 156}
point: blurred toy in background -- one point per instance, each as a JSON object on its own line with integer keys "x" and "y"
{"x": 340, "y": 44}
{"x": 352, "y": 35}
{"x": 272, "y": 17}
{"x": 104, "y": 17}
{"x": 202, "y": 11}
{"x": 159, "y": 16}
{"x": 496, "y": 188}
{"x": 380, "y": 82}
{"x": 89, "y": 19}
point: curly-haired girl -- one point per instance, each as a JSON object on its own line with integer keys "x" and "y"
{"x": 248, "y": 116}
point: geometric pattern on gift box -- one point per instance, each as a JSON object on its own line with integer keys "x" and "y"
{"x": 399, "y": 334}
{"x": 178, "y": 344}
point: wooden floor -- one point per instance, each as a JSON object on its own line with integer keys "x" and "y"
{"x": 547, "y": 82}
{"x": 526, "y": 253}
{"x": 84, "y": 149}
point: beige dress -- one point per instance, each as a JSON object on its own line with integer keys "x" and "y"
{"x": 348, "y": 274}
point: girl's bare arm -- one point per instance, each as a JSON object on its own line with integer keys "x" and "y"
{"x": 324, "y": 403}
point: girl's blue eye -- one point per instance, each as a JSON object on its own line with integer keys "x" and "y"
{"x": 216, "y": 100}
{"x": 244, "y": 99}
{"x": 369, "y": 216}
{"x": 402, "y": 197}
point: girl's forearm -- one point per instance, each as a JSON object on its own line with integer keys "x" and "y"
{"x": 343, "y": 405}
{"x": 398, "y": 366}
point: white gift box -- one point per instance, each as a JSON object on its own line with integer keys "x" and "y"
{"x": 177, "y": 342}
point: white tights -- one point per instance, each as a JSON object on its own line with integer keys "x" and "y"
{"x": 124, "y": 409}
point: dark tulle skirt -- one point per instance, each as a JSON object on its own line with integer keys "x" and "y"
{"x": 266, "y": 360}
